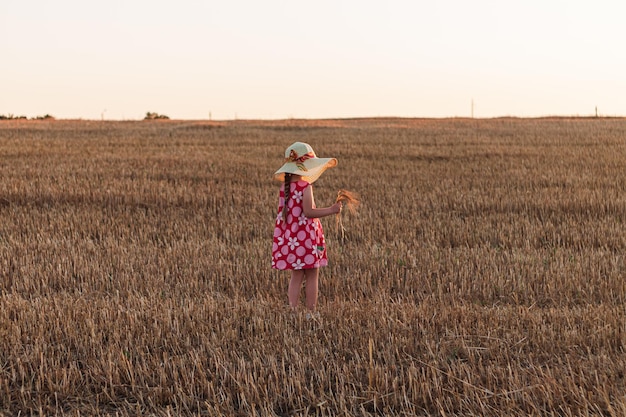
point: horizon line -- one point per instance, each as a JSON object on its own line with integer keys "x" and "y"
{"x": 48, "y": 117}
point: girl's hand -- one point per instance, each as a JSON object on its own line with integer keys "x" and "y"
{"x": 336, "y": 208}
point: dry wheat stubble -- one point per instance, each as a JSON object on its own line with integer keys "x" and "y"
{"x": 482, "y": 273}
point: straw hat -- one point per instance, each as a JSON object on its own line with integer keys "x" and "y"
{"x": 300, "y": 159}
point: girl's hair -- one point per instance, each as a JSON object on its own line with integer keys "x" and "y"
{"x": 287, "y": 196}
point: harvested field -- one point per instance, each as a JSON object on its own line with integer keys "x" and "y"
{"x": 483, "y": 273}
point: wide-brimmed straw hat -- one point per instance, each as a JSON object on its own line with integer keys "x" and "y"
{"x": 300, "y": 159}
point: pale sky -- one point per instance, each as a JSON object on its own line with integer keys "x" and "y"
{"x": 276, "y": 59}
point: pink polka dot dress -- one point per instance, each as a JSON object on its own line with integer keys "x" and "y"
{"x": 299, "y": 241}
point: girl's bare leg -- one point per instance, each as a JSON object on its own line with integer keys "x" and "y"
{"x": 295, "y": 284}
{"x": 312, "y": 283}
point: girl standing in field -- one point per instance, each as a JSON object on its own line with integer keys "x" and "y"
{"x": 299, "y": 243}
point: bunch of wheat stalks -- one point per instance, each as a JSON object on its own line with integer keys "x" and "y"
{"x": 349, "y": 200}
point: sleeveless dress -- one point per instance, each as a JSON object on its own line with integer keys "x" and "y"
{"x": 298, "y": 242}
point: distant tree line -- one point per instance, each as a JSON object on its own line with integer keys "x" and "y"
{"x": 155, "y": 116}
{"x": 13, "y": 117}
{"x": 149, "y": 116}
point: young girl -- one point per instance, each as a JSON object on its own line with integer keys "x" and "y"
{"x": 299, "y": 243}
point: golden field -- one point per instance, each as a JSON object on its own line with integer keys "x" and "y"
{"x": 482, "y": 275}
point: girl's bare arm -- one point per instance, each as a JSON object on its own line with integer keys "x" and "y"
{"x": 312, "y": 212}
